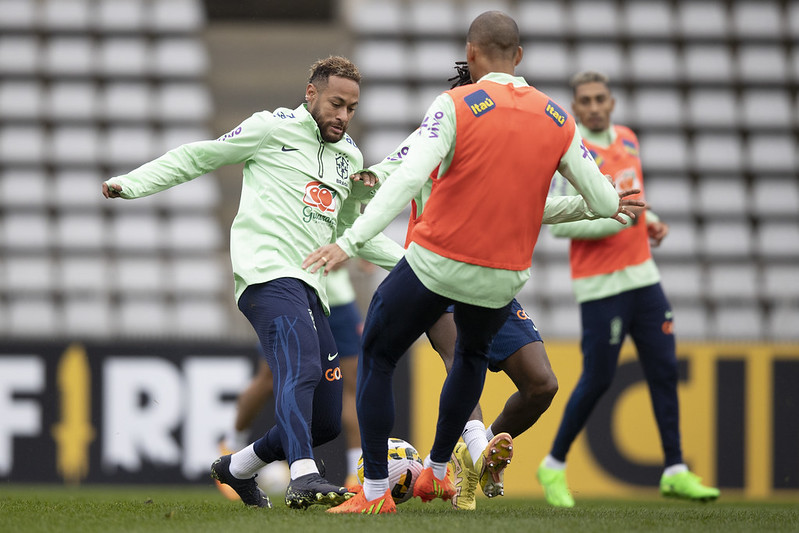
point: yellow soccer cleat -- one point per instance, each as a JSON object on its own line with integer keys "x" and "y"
{"x": 464, "y": 477}
{"x": 491, "y": 465}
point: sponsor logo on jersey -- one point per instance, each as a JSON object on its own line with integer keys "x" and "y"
{"x": 321, "y": 197}
{"x": 556, "y": 113}
{"x": 333, "y": 374}
{"x": 598, "y": 159}
{"x": 630, "y": 147}
{"x": 230, "y": 134}
{"x": 479, "y": 102}
{"x": 626, "y": 179}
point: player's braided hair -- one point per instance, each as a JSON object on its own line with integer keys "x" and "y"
{"x": 463, "y": 77}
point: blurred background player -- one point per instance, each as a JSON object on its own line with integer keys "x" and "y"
{"x": 466, "y": 251}
{"x": 346, "y": 324}
{"x": 296, "y": 195}
{"x": 617, "y": 285}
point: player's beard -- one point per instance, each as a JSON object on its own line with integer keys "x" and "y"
{"x": 326, "y": 127}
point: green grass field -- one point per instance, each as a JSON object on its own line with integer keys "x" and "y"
{"x": 25, "y": 508}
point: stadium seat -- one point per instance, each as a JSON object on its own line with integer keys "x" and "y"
{"x": 731, "y": 282}
{"x": 690, "y": 320}
{"x": 546, "y": 61}
{"x": 173, "y": 136}
{"x": 129, "y": 146}
{"x": 680, "y": 281}
{"x": 124, "y": 57}
{"x": 707, "y": 63}
{"x": 28, "y": 274}
{"x": 18, "y": 15}
{"x": 204, "y": 276}
{"x": 680, "y": 243}
{"x": 433, "y": 60}
{"x": 26, "y": 232}
{"x": 77, "y": 189}
{"x": 179, "y": 58}
{"x": 723, "y": 197}
{"x": 88, "y": 317}
{"x": 34, "y": 317}
{"x": 144, "y": 317}
{"x": 717, "y": 152}
{"x": 80, "y": 231}
{"x": 780, "y": 282}
{"x": 114, "y": 16}
{"x": 766, "y": 109}
{"x": 380, "y": 17}
{"x": 595, "y": 18}
{"x": 85, "y": 273}
{"x": 648, "y": 19}
{"x": 438, "y": 17}
{"x": 781, "y": 323}
{"x": 741, "y": 321}
{"x": 19, "y": 54}
{"x": 21, "y": 100}
{"x": 715, "y": 108}
{"x": 727, "y": 239}
{"x": 546, "y": 18}
{"x": 22, "y": 144}
{"x": 65, "y": 15}
{"x": 763, "y": 63}
{"x": 192, "y": 232}
{"x": 372, "y": 107}
{"x": 771, "y": 153}
{"x": 658, "y": 107}
{"x": 664, "y": 152}
{"x": 70, "y": 56}
{"x": 176, "y": 16}
{"x": 606, "y": 57}
{"x": 777, "y": 239}
{"x": 140, "y": 231}
{"x": 24, "y": 188}
{"x": 758, "y": 19}
{"x": 75, "y": 145}
{"x": 554, "y": 280}
{"x": 655, "y": 63}
{"x": 199, "y": 317}
{"x": 775, "y": 197}
{"x": 387, "y": 60}
{"x": 201, "y": 194}
{"x": 704, "y": 18}
{"x": 72, "y": 100}
{"x": 670, "y": 195}
{"x": 127, "y": 101}
{"x": 183, "y": 102}
{"x": 140, "y": 275}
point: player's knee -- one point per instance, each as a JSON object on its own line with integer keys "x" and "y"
{"x": 324, "y": 432}
{"x": 541, "y": 391}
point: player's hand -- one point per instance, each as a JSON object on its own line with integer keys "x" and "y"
{"x": 111, "y": 191}
{"x": 657, "y": 231}
{"x": 327, "y": 257}
{"x": 631, "y": 207}
{"x": 368, "y": 178}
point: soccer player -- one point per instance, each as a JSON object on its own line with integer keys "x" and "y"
{"x": 296, "y": 196}
{"x": 346, "y": 324}
{"x": 497, "y": 144}
{"x": 618, "y": 288}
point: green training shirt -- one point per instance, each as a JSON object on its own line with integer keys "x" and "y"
{"x": 296, "y": 194}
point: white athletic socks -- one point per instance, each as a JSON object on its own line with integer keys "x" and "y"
{"x": 474, "y": 435}
{"x": 439, "y": 469}
{"x": 303, "y": 467}
{"x": 244, "y": 464}
{"x": 679, "y": 468}
{"x": 374, "y": 488}
{"x": 551, "y": 462}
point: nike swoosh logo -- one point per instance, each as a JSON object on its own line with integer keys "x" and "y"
{"x": 331, "y": 357}
{"x": 284, "y": 149}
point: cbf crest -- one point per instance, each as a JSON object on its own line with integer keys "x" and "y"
{"x": 342, "y": 166}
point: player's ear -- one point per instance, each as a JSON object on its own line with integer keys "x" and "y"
{"x": 310, "y": 92}
{"x": 519, "y": 55}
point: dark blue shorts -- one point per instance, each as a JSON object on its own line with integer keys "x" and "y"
{"x": 517, "y": 331}
{"x": 347, "y": 325}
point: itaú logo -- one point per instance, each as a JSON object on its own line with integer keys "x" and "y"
{"x": 319, "y": 196}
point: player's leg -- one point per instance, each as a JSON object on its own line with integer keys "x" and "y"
{"x": 604, "y": 328}
{"x": 652, "y": 331}
{"x": 346, "y": 325}
{"x": 400, "y": 311}
{"x": 248, "y": 405}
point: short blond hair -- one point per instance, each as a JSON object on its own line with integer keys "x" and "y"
{"x": 333, "y": 66}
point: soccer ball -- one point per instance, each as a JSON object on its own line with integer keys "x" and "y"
{"x": 404, "y": 466}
